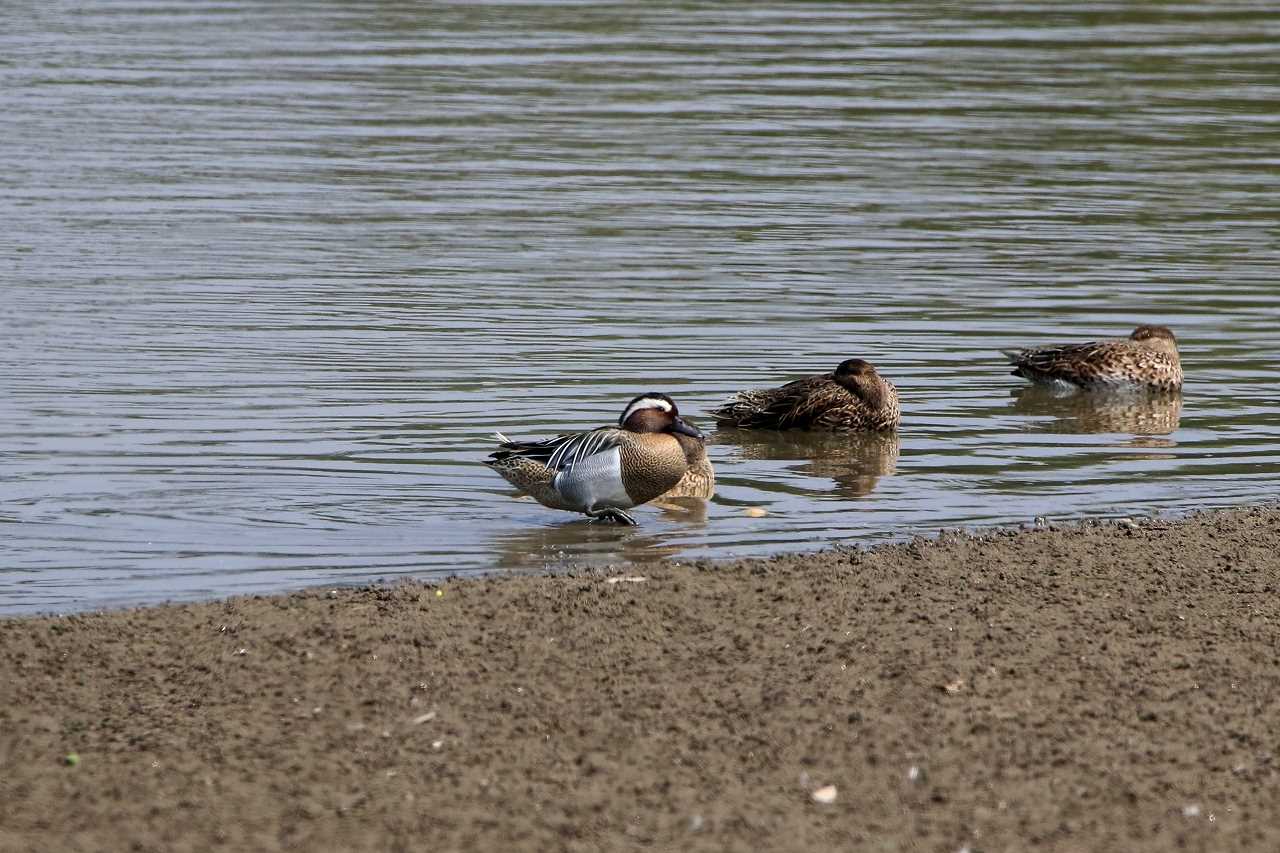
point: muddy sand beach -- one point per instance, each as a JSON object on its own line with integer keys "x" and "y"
{"x": 1104, "y": 687}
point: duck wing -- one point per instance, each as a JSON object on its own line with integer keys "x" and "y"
{"x": 773, "y": 408}
{"x": 800, "y": 403}
{"x": 1072, "y": 362}
{"x": 563, "y": 451}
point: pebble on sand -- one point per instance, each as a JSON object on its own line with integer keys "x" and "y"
{"x": 825, "y": 795}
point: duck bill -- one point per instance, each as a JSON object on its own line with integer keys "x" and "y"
{"x": 684, "y": 428}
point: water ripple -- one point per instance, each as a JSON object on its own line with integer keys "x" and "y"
{"x": 274, "y": 276}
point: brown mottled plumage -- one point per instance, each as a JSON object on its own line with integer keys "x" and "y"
{"x": 650, "y": 466}
{"x": 1147, "y": 358}
{"x": 853, "y": 397}
{"x": 528, "y": 475}
{"x": 699, "y": 481}
{"x": 607, "y": 470}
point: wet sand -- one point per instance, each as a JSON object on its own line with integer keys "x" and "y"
{"x": 1106, "y": 687}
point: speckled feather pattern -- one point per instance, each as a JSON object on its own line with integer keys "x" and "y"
{"x": 532, "y": 477}
{"x": 699, "y": 481}
{"x": 652, "y": 463}
{"x": 815, "y": 402}
{"x": 1100, "y": 364}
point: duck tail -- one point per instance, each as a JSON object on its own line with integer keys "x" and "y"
{"x": 741, "y": 411}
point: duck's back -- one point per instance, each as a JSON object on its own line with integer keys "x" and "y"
{"x": 536, "y": 467}
{"x": 849, "y": 412}
{"x": 1098, "y": 364}
{"x": 815, "y": 402}
{"x": 794, "y": 404}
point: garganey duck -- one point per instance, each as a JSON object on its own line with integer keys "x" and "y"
{"x": 1148, "y": 358}
{"x": 608, "y": 470}
{"x": 852, "y": 398}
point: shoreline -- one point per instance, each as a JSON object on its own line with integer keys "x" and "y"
{"x": 1102, "y": 685}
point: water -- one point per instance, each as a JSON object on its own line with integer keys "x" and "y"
{"x": 272, "y": 273}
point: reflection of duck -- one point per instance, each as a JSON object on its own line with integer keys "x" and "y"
{"x": 685, "y": 509}
{"x": 559, "y": 545}
{"x": 1137, "y": 412}
{"x": 855, "y": 462}
{"x": 1147, "y": 358}
{"x": 854, "y": 397}
{"x": 687, "y": 500}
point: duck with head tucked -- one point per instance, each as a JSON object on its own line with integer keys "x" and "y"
{"x": 1148, "y": 358}
{"x": 853, "y": 398}
{"x": 606, "y": 471}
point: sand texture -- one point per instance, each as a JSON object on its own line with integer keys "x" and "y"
{"x": 1096, "y": 688}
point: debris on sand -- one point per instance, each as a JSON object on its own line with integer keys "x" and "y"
{"x": 824, "y": 795}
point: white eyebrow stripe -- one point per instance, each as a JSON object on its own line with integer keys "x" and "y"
{"x": 645, "y": 403}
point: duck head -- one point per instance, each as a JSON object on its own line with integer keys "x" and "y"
{"x": 1159, "y": 338}
{"x": 653, "y": 412}
{"x": 860, "y": 377}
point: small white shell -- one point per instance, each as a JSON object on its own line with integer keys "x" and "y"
{"x": 825, "y": 795}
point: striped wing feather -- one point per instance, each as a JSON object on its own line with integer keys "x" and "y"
{"x": 1074, "y": 362}
{"x": 804, "y": 401}
{"x": 793, "y": 404}
{"x": 563, "y": 451}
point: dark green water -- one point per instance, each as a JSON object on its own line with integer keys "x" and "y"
{"x": 273, "y": 273}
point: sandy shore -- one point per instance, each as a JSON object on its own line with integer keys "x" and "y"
{"x": 1111, "y": 687}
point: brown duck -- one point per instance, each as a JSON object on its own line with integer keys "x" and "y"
{"x": 1148, "y": 358}
{"x": 852, "y": 398}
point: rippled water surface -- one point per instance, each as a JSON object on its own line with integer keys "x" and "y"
{"x": 273, "y": 273}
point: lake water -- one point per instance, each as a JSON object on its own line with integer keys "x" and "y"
{"x": 273, "y": 273}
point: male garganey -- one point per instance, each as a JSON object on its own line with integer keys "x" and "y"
{"x": 1148, "y": 358}
{"x": 608, "y": 470}
{"x": 853, "y": 398}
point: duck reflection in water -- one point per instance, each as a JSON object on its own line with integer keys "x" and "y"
{"x": 687, "y": 500}
{"x": 854, "y": 462}
{"x": 571, "y": 543}
{"x": 1136, "y": 412}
